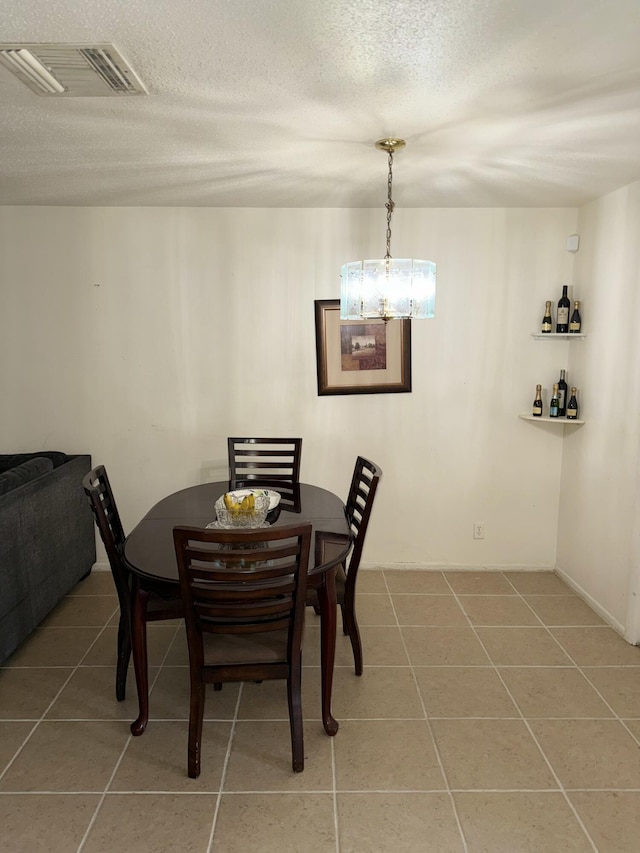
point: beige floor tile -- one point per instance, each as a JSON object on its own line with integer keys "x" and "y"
{"x": 104, "y": 651}
{"x": 563, "y": 610}
{"x": 404, "y": 823}
{"x": 98, "y": 583}
{"x": 377, "y": 755}
{"x": 260, "y": 758}
{"x": 520, "y": 821}
{"x": 82, "y": 610}
{"x": 25, "y": 694}
{"x": 464, "y": 692}
{"x": 538, "y": 583}
{"x": 620, "y": 687}
{"x": 381, "y": 646}
{"x": 90, "y": 694}
{"x": 66, "y": 757}
{"x": 157, "y": 761}
{"x": 634, "y": 727}
{"x": 169, "y": 697}
{"x": 374, "y": 609}
{"x": 590, "y": 753}
{"x": 612, "y": 818}
{"x": 441, "y": 646}
{"x": 275, "y": 823}
{"x": 553, "y": 692}
{"x": 370, "y": 580}
{"x": 414, "y": 582}
{"x": 178, "y": 652}
{"x": 479, "y": 583}
{"x": 428, "y": 610}
{"x": 495, "y": 754}
{"x": 152, "y": 822}
{"x": 44, "y": 823}
{"x": 12, "y": 736}
{"x": 382, "y": 692}
{"x": 522, "y": 647}
{"x": 597, "y": 646}
{"x": 268, "y": 701}
{"x": 497, "y": 610}
{"x": 53, "y": 647}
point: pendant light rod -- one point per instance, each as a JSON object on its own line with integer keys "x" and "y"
{"x": 385, "y": 289}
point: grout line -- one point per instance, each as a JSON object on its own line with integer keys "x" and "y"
{"x": 225, "y": 766}
{"x": 429, "y": 728}
{"x": 523, "y": 718}
{"x": 55, "y": 698}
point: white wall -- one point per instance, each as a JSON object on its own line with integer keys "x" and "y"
{"x": 147, "y": 336}
{"x": 600, "y": 496}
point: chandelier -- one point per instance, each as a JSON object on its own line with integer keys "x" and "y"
{"x": 388, "y": 288}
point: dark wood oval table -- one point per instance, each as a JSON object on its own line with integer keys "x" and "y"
{"x": 150, "y": 554}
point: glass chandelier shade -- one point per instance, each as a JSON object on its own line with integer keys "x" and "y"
{"x": 388, "y": 288}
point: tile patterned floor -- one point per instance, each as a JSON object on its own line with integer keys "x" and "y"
{"x": 496, "y": 714}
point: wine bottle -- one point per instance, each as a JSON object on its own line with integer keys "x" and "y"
{"x": 562, "y": 315}
{"x": 575, "y": 324}
{"x": 553, "y": 405}
{"x": 536, "y": 409}
{"x": 572, "y": 407}
{"x": 562, "y": 395}
{"x": 547, "y": 323}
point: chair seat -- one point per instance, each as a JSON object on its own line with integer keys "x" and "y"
{"x": 270, "y": 647}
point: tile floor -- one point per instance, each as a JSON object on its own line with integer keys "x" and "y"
{"x": 496, "y": 713}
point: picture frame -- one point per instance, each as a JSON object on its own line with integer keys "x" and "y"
{"x": 360, "y": 356}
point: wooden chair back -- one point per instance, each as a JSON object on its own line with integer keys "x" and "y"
{"x": 269, "y": 463}
{"x": 364, "y": 483}
{"x": 98, "y": 490}
{"x": 236, "y": 586}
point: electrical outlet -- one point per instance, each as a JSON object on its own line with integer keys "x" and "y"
{"x": 478, "y": 530}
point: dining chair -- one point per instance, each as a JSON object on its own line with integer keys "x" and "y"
{"x": 264, "y": 462}
{"x": 362, "y": 492}
{"x": 244, "y": 596}
{"x": 156, "y": 601}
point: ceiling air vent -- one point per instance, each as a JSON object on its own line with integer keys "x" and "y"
{"x": 72, "y": 70}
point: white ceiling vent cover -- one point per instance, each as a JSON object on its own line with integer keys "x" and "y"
{"x": 72, "y": 70}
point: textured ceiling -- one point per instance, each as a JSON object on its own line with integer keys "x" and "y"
{"x": 279, "y": 103}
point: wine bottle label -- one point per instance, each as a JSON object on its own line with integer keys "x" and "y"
{"x": 546, "y": 326}
{"x": 563, "y": 316}
{"x": 574, "y": 327}
{"x": 561, "y": 398}
{"x": 572, "y": 413}
{"x": 536, "y": 411}
{"x": 553, "y": 411}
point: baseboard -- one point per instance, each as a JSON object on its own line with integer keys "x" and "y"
{"x": 457, "y": 567}
{"x": 593, "y": 604}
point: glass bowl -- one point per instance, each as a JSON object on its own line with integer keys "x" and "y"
{"x": 242, "y": 518}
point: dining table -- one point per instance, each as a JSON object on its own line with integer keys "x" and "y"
{"x": 150, "y": 555}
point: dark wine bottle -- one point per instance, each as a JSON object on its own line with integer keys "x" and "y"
{"x": 575, "y": 323}
{"x": 562, "y": 395}
{"x": 562, "y": 315}
{"x": 553, "y": 405}
{"x": 536, "y": 409}
{"x": 572, "y": 407}
{"x": 547, "y": 323}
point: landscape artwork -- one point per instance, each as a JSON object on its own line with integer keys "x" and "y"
{"x": 363, "y": 347}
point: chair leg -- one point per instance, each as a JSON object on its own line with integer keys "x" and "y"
{"x": 295, "y": 718}
{"x": 139, "y": 646}
{"x": 350, "y": 625}
{"x": 217, "y": 686}
{"x": 196, "y": 714}
{"x": 124, "y": 654}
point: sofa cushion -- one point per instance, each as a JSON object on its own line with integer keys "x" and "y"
{"x": 24, "y": 473}
{"x": 10, "y": 460}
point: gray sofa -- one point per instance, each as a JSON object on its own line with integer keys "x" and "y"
{"x": 47, "y": 539}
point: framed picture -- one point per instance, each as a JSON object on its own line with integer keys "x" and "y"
{"x": 361, "y": 356}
